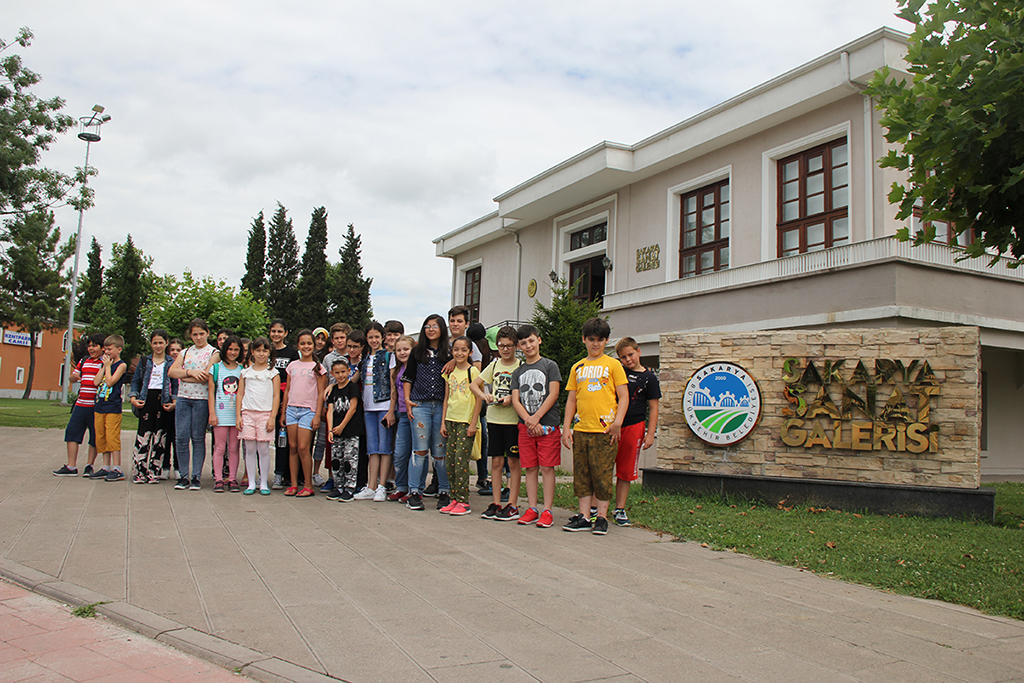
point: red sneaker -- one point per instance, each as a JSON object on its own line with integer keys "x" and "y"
{"x": 546, "y": 519}
{"x": 529, "y": 517}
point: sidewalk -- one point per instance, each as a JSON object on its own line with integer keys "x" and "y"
{"x": 375, "y": 592}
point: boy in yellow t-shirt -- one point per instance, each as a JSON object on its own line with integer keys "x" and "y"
{"x": 598, "y": 393}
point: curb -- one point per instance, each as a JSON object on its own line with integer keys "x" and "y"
{"x": 209, "y": 647}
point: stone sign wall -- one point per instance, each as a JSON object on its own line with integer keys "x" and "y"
{"x": 885, "y": 406}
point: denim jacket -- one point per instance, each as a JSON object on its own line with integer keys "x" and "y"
{"x": 381, "y": 380}
{"x": 140, "y": 380}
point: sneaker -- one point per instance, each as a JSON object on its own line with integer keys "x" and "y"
{"x": 509, "y": 513}
{"x": 546, "y": 519}
{"x": 577, "y": 523}
{"x": 389, "y": 486}
{"x": 380, "y": 495}
{"x": 491, "y": 511}
{"x": 414, "y": 501}
{"x": 459, "y": 509}
{"x": 249, "y": 492}
{"x": 443, "y": 500}
{"x": 431, "y": 490}
{"x": 218, "y": 487}
{"x": 397, "y": 496}
{"x": 505, "y": 493}
{"x": 101, "y": 473}
{"x": 65, "y": 471}
{"x": 449, "y": 507}
{"x": 195, "y": 485}
{"x": 600, "y": 526}
{"x": 278, "y": 482}
{"x": 528, "y": 517}
{"x": 318, "y": 480}
{"x": 182, "y": 484}
{"x": 486, "y": 489}
{"x": 87, "y": 471}
{"x": 620, "y": 518}
{"x": 593, "y": 515}
{"x": 233, "y": 486}
{"x": 328, "y": 486}
{"x": 346, "y": 496}
{"x": 165, "y": 474}
{"x": 481, "y": 482}
{"x": 139, "y": 479}
{"x": 114, "y": 475}
{"x": 334, "y": 494}
{"x": 154, "y": 479}
{"x": 365, "y": 494}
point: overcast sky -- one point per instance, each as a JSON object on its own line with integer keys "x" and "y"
{"x": 403, "y": 118}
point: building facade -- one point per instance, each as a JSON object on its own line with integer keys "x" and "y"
{"x": 14, "y": 363}
{"x": 767, "y": 211}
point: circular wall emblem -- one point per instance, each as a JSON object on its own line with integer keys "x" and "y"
{"x": 722, "y": 404}
{"x": 531, "y": 288}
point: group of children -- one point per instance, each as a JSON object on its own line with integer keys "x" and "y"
{"x": 381, "y": 409}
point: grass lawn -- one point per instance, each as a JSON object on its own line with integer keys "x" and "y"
{"x": 971, "y": 563}
{"x": 16, "y": 412}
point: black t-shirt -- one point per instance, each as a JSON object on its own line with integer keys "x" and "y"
{"x": 643, "y": 387}
{"x": 339, "y": 401}
{"x": 282, "y": 357}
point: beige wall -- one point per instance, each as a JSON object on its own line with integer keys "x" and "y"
{"x": 1004, "y": 404}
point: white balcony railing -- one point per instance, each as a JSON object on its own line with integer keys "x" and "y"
{"x": 858, "y": 254}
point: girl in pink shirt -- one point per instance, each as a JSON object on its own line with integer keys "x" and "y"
{"x": 303, "y": 396}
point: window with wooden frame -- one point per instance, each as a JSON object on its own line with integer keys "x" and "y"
{"x": 587, "y": 236}
{"x": 471, "y": 300}
{"x": 814, "y": 199}
{"x": 705, "y": 220}
{"x": 587, "y": 279}
{"x": 943, "y": 230}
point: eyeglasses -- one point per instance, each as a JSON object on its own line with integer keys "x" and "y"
{"x": 506, "y": 347}
{"x": 431, "y": 327}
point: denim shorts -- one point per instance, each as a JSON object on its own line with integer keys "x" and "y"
{"x": 81, "y": 421}
{"x": 299, "y": 415}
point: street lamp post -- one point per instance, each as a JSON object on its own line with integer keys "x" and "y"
{"x": 88, "y": 130}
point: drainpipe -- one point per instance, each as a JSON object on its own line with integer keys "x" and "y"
{"x": 869, "y": 157}
{"x": 519, "y": 266}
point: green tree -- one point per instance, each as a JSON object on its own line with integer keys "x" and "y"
{"x": 256, "y": 258}
{"x": 28, "y": 126}
{"x": 957, "y": 122}
{"x": 33, "y": 283}
{"x": 130, "y": 281}
{"x": 91, "y": 285}
{"x": 312, "y": 290}
{"x": 105, "y": 319}
{"x": 561, "y": 329}
{"x": 348, "y": 290}
{"x": 282, "y": 266}
{"x": 175, "y": 302}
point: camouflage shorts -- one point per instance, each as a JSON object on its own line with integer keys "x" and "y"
{"x": 593, "y": 462}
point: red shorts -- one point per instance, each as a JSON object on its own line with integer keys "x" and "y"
{"x": 627, "y": 460}
{"x": 545, "y": 451}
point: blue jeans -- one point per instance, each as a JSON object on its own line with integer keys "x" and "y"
{"x": 426, "y": 436}
{"x": 191, "y": 417}
{"x": 403, "y": 451}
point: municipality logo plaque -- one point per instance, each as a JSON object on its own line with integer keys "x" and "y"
{"x": 722, "y": 404}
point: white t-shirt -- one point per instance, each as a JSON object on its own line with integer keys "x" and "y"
{"x": 259, "y": 389}
{"x": 156, "y": 377}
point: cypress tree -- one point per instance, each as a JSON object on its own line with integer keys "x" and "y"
{"x": 93, "y": 283}
{"x": 350, "y": 291}
{"x": 256, "y": 258}
{"x": 312, "y": 291}
{"x": 282, "y": 271}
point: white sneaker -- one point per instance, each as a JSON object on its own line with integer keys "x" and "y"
{"x": 318, "y": 480}
{"x": 365, "y": 493}
{"x": 381, "y": 495}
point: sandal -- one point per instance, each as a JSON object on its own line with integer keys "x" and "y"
{"x": 291, "y": 491}
{"x": 305, "y": 493}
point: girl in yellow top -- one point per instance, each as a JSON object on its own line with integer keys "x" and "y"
{"x": 461, "y": 411}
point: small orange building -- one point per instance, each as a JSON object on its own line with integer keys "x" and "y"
{"x": 14, "y": 363}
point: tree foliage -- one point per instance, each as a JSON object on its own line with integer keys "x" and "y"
{"x": 28, "y": 126}
{"x": 130, "y": 284}
{"x": 33, "y": 281}
{"x": 561, "y": 329}
{"x": 256, "y": 258}
{"x": 958, "y": 121}
{"x": 177, "y": 301}
{"x": 311, "y": 295}
{"x": 91, "y": 285}
{"x": 282, "y": 266}
{"x": 348, "y": 291}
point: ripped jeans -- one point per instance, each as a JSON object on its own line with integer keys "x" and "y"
{"x": 426, "y": 436}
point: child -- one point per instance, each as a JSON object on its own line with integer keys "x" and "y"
{"x": 598, "y": 394}
{"x": 82, "y": 413}
{"x": 399, "y": 413}
{"x": 644, "y": 392}
{"x": 344, "y": 425}
{"x": 320, "y": 345}
{"x": 192, "y": 411}
{"x": 424, "y": 395}
{"x": 283, "y": 355}
{"x": 303, "y": 397}
{"x": 224, "y": 380}
{"x": 257, "y": 406}
{"x": 375, "y": 377}
{"x": 502, "y": 424}
{"x": 109, "y": 406}
{"x": 321, "y": 348}
{"x": 153, "y": 394}
{"x": 174, "y": 349}
{"x": 535, "y": 387}
{"x": 356, "y": 347}
{"x": 393, "y": 329}
{"x": 461, "y": 411}
{"x": 339, "y": 350}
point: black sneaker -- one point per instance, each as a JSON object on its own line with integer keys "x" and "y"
{"x": 443, "y": 500}
{"x": 578, "y": 523}
{"x": 182, "y": 484}
{"x": 333, "y": 494}
{"x": 414, "y": 501}
{"x": 114, "y": 475}
{"x": 621, "y": 518}
{"x": 195, "y": 485}
{"x": 431, "y": 490}
{"x": 486, "y": 489}
{"x": 101, "y": 473}
{"x": 600, "y": 526}
{"x": 509, "y": 513}
{"x": 65, "y": 471}
{"x": 505, "y": 493}
{"x": 491, "y": 511}
{"x": 345, "y": 496}
{"x": 87, "y": 471}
